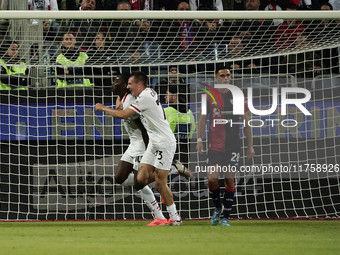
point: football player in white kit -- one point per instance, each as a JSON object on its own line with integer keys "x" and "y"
{"x": 138, "y": 140}
{"x": 157, "y": 159}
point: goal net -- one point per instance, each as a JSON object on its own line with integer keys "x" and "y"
{"x": 58, "y": 155}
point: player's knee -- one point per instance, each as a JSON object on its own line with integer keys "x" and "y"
{"x": 141, "y": 180}
{"x": 119, "y": 179}
{"x": 212, "y": 182}
{"x": 160, "y": 182}
{"x": 138, "y": 186}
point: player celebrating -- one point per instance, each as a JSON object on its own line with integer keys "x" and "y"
{"x": 224, "y": 146}
{"x": 157, "y": 159}
{"x": 138, "y": 141}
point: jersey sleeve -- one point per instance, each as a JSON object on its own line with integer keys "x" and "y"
{"x": 142, "y": 103}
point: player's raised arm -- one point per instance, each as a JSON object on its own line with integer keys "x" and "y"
{"x": 121, "y": 114}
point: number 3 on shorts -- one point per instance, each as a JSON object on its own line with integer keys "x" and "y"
{"x": 160, "y": 155}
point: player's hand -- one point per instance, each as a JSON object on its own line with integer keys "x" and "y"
{"x": 99, "y": 107}
{"x": 199, "y": 147}
{"x": 250, "y": 152}
{"x": 119, "y": 104}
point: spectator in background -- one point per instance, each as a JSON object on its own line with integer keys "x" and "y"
{"x": 101, "y": 54}
{"x": 288, "y": 32}
{"x": 13, "y": 71}
{"x": 173, "y": 79}
{"x": 85, "y": 30}
{"x": 309, "y": 5}
{"x": 321, "y": 31}
{"x": 303, "y": 65}
{"x": 71, "y": 63}
{"x": 169, "y": 5}
{"x": 208, "y": 5}
{"x": 145, "y": 26}
{"x": 106, "y": 5}
{"x": 68, "y": 4}
{"x": 126, "y": 40}
{"x": 181, "y": 120}
{"x": 239, "y": 67}
{"x": 237, "y": 5}
{"x": 182, "y": 39}
{"x": 50, "y": 27}
{"x": 196, "y": 5}
{"x": 254, "y": 32}
{"x": 274, "y": 5}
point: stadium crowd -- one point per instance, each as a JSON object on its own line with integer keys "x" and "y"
{"x": 110, "y": 43}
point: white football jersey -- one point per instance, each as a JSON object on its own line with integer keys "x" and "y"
{"x": 153, "y": 118}
{"x": 136, "y": 139}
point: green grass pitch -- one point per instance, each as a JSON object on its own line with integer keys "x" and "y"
{"x": 194, "y": 237}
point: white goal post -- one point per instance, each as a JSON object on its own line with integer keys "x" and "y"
{"x": 58, "y": 155}
{"x": 171, "y": 15}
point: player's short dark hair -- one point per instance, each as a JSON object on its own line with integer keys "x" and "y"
{"x": 125, "y": 77}
{"x": 222, "y": 68}
{"x": 140, "y": 77}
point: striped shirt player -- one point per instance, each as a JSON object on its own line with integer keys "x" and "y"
{"x": 153, "y": 118}
{"x": 224, "y": 145}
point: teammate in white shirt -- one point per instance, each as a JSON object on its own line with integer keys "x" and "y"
{"x": 125, "y": 173}
{"x": 157, "y": 159}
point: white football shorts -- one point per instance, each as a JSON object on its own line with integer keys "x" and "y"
{"x": 160, "y": 158}
{"x": 132, "y": 157}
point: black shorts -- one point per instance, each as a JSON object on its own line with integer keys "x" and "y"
{"x": 224, "y": 158}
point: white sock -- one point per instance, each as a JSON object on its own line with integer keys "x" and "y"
{"x": 129, "y": 181}
{"x": 173, "y": 170}
{"x": 173, "y": 212}
{"x": 151, "y": 202}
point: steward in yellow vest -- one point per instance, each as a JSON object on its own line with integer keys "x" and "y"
{"x": 181, "y": 120}
{"x": 72, "y": 62}
{"x": 13, "y": 72}
{"x": 179, "y": 116}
